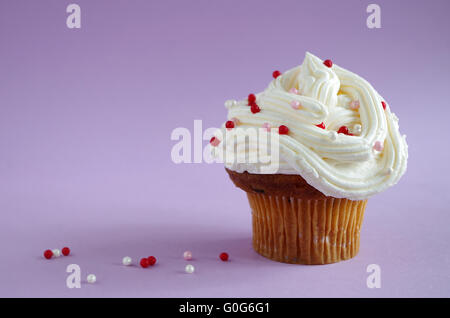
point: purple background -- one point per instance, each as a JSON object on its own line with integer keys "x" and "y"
{"x": 85, "y": 123}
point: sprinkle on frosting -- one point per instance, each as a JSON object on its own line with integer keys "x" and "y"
{"x": 251, "y": 99}
{"x": 283, "y": 130}
{"x": 295, "y": 104}
{"x": 229, "y": 124}
{"x": 266, "y": 127}
{"x": 332, "y": 134}
{"x": 344, "y": 130}
{"x": 230, "y": 103}
{"x": 321, "y": 125}
{"x": 254, "y": 108}
{"x": 378, "y": 146}
{"x": 357, "y": 129}
{"x": 354, "y": 104}
{"x": 275, "y": 74}
{"x": 328, "y": 63}
{"x": 214, "y": 141}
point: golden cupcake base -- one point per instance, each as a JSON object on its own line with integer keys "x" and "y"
{"x": 306, "y": 231}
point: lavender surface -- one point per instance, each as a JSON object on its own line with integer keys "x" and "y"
{"x": 85, "y": 123}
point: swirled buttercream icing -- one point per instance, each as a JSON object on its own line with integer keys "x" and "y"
{"x": 315, "y": 101}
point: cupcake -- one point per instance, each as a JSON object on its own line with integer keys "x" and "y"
{"x": 309, "y": 151}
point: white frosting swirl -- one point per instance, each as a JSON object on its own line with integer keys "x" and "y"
{"x": 338, "y": 165}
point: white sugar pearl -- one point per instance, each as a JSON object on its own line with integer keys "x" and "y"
{"x": 56, "y": 252}
{"x": 332, "y": 135}
{"x": 126, "y": 261}
{"x": 91, "y": 278}
{"x": 189, "y": 269}
{"x": 357, "y": 129}
{"x": 230, "y": 103}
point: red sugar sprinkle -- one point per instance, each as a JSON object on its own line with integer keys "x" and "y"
{"x": 344, "y": 130}
{"x": 223, "y": 257}
{"x": 144, "y": 262}
{"x": 229, "y": 124}
{"x": 275, "y": 74}
{"x": 214, "y": 141}
{"x": 321, "y": 125}
{"x": 251, "y": 99}
{"x": 151, "y": 260}
{"x": 255, "y": 108}
{"x": 48, "y": 254}
{"x": 384, "y": 105}
{"x": 283, "y": 130}
{"x": 328, "y": 63}
{"x": 65, "y": 251}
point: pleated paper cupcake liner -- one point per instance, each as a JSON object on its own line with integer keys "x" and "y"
{"x": 299, "y": 231}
